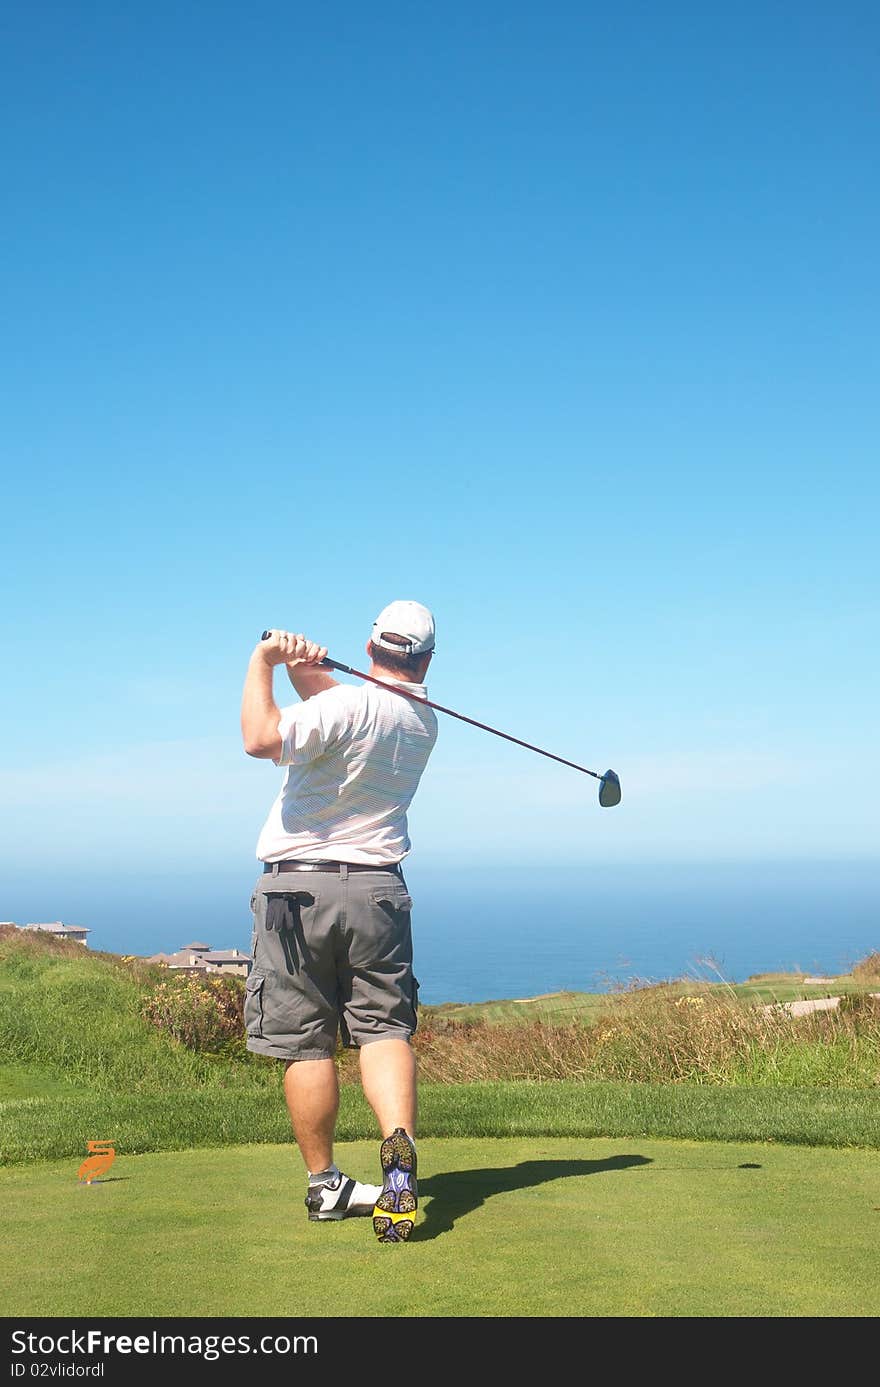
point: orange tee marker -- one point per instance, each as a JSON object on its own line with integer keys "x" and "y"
{"x": 93, "y": 1167}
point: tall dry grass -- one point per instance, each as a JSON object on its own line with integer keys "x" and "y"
{"x": 108, "y": 1022}
{"x": 654, "y": 1034}
{"x": 868, "y": 969}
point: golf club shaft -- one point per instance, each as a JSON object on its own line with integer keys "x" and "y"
{"x": 484, "y": 727}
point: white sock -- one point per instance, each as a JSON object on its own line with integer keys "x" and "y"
{"x": 323, "y": 1177}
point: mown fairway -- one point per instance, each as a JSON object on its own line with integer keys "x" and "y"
{"x": 532, "y": 1227}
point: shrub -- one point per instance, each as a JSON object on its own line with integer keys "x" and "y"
{"x": 204, "y": 1014}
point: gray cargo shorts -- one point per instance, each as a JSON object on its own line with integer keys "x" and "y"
{"x": 332, "y": 951}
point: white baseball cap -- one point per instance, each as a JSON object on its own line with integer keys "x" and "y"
{"x": 409, "y": 620}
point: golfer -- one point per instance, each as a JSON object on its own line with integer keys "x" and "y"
{"x": 332, "y": 944}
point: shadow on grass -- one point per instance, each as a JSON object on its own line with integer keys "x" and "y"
{"x": 456, "y": 1193}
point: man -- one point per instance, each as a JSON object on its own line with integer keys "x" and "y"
{"x": 332, "y": 941}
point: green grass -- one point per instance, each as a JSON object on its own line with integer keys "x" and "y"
{"x": 40, "y": 1128}
{"x": 34, "y": 1081}
{"x": 552, "y": 1007}
{"x": 537, "y": 1227}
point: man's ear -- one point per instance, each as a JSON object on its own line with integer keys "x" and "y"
{"x": 368, "y": 650}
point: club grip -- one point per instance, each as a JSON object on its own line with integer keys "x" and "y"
{"x": 326, "y": 663}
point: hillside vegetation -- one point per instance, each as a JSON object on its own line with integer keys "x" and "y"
{"x": 96, "y": 1045}
{"x": 79, "y": 1019}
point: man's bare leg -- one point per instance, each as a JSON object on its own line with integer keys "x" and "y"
{"x": 388, "y": 1077}
{"x": 311, "y": 1089}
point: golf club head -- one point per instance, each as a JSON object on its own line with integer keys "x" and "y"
{"x": 609, "y": 790}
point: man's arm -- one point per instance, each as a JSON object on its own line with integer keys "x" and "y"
{"x": 259, "y": 711}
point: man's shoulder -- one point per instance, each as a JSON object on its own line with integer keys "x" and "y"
{"x": 344, "y": 695}
{"x": 409, "y": 701}
{"x": 339, "y": 700}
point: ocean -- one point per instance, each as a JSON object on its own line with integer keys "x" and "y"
{"x": 605, "y": 927}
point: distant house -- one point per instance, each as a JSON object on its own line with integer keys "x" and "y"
{"x": 77, "y": 932}
{"x": 203, "y": 959}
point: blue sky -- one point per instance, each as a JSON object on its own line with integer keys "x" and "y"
{"x": 560, "y": 319}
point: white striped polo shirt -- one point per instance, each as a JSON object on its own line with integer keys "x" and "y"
{"x": 354, "y": 758}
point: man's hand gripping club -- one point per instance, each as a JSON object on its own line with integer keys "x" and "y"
{"x": 260, "y": 713}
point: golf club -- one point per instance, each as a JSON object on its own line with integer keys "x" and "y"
{"x": 609, "y": 784}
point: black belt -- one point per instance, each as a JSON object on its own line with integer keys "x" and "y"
{"x": 291, "y": 865}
